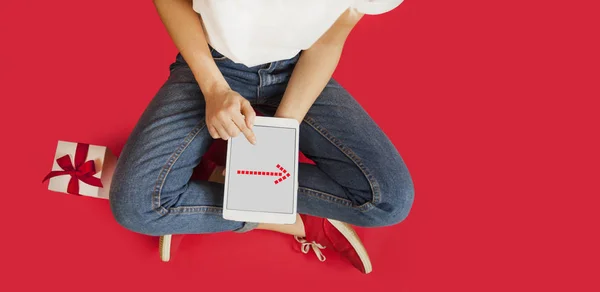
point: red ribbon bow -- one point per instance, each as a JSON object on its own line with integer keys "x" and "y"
{"x": 82, "y": 171}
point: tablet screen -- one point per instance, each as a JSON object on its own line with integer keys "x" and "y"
{"x": 260, "y": 177}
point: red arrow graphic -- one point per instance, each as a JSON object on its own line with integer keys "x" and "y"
{"x": 282, "y": 173}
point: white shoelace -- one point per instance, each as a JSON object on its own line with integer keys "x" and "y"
{"x": 305, "y": 247}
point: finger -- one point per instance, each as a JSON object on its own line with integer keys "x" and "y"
{"x": 222, "y": 132}
{"x": 213, "y": 132}
{"x": 231, "y": 128}
{"x": 224, "y": 170}
{"x": 239, "y": 121}
{"x": 249, "y": 113}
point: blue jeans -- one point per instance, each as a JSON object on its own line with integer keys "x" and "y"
{"x": 359, "y": 176}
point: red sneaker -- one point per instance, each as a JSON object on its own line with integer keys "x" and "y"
{"x": 334, "y": 235}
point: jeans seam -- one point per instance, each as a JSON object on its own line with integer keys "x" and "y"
{"x": 212, "y": 50}
{"x": 162, "y": 176}
{"x": 325, "y": 196}
{"x": 195, "y": 210}
{"x": 354, "y": 158}
{"x": 260, "y": 81}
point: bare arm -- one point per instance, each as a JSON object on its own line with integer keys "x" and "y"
{"x": 225, "y": 109}
{"x": 315, "y": 67}
{"x": 185, "y": 29}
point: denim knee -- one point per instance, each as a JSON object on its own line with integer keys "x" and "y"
{"x": 393, "y": 209}
{"x": 398, "y": 211}
{"x": 131, "y": 214}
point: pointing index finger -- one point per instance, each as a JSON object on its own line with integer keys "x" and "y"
{"x": 249, "y": 114}
{"x": 239, "y": 121}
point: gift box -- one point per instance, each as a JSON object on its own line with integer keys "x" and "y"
{"x": 82, "y": 169}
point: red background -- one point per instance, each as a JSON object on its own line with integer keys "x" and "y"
{"x": 491, "y": 103}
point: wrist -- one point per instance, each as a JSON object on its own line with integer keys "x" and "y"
{"x": 289, "y": 115}
{"x": 215, "y": 89}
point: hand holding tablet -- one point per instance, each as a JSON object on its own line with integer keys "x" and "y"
{"x": 261, "y": 180}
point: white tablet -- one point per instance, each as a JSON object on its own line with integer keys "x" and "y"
{"x": 261, "y": 181}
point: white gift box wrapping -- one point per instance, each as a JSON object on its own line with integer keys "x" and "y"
{"x": 104, "y": 164}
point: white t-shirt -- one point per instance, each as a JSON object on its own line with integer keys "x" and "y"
{"x": 255, "y": 32}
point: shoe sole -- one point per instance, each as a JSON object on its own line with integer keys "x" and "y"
{"x": 355, "y": 242}
{"x": 164, "y": 248}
